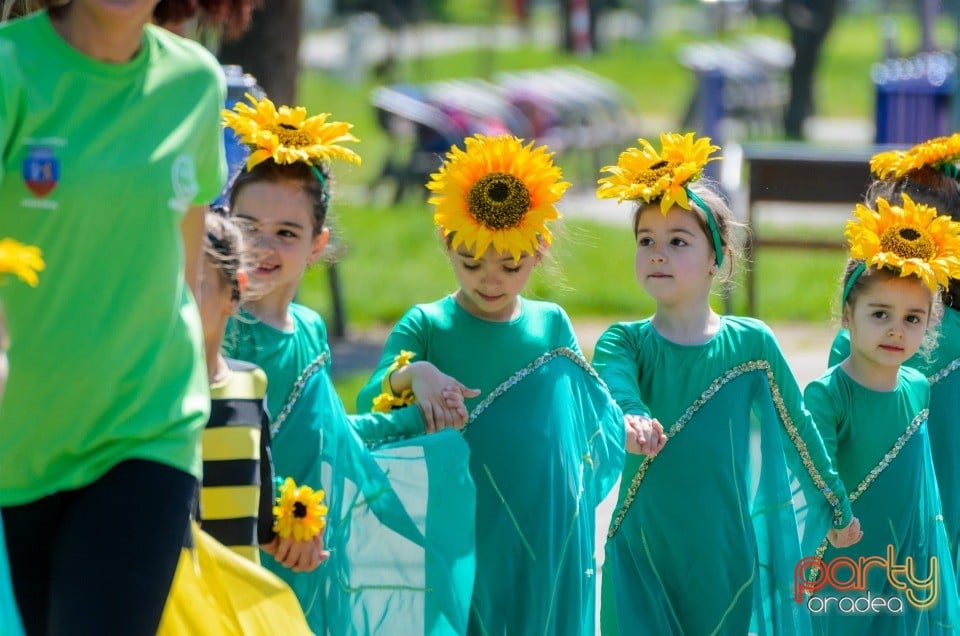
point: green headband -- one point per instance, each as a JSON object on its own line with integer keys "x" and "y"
{"x": 712, "y": 222}
{"x": 950, "y": 169}
{"x": 854, "y": 275}
{"x": 320, "y": 178}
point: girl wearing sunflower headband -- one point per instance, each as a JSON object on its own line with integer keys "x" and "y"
{"x": 282, "y": 200}
{"x": 927, "y": 174}
{"x": 706, "y": 503}
{"x": 872, "y": 412}
{"x": 546, "y": 440}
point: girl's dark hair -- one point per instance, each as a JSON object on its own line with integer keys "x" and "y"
{"x": 729, "y": 228}
{"x": 929, "y": 186}
{"x": 316, "y": 189}
{"x": 233, "y": 16}
{"x": 223, "y": 248}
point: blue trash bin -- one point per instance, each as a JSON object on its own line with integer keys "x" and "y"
{"x": 913, "y": 98}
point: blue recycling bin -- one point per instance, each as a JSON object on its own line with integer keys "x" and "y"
{"x": 238, "y": 85}
{"x": 914, "y": 98}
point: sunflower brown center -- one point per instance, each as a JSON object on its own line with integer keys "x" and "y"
{"x": 292, "y": 136}
{"x": 652, "y": 174}
{"x": 299, "y": 510}
{"x": 499, "y": 200}
{"x": 908, "y": 242}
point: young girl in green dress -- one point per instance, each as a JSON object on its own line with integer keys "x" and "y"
{"x": 704, "y": 539}
{"x": 546, "y": 439}
{"x": 927, "y": 173}
{"x": 872, "y": 413}
{"x": 398, "y": 563}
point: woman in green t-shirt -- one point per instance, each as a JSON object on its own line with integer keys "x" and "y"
{"x": 110, "y": 148}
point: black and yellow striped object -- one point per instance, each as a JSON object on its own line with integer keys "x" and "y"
{"x": 237, "y": 495}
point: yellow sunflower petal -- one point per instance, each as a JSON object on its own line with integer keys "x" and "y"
{"x": 912, "y": 239}
{"x": 23, "y": 261}
{"x": 287, "y": 135}
{"x": 643, "y": 174}
{"x": 496, "y": 191}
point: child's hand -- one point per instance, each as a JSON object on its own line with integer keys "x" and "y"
{"x": 299, "y": 556}
{"x": 847, "y": 536}
{"x": 439, "y": 397}
{"x": 645, "y": 436}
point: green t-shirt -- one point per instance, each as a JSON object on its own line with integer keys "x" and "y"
{"x": 98, "y": 164}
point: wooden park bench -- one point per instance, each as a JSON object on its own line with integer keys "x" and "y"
{"x": 798, "y": 172}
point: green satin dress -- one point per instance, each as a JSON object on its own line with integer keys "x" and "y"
{"x": 940, "y": 367}
{"x": 707, "y": 533}
{"x": 401, "y": 516}
{"x": 880, "y": 445}
{"x": 546, "y": 445}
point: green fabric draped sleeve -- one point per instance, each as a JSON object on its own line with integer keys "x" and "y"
{"x": 881, "y": 447}
{"x": 943, "y": 423}
{"x": 401, "y": 518}
{"x": 706, "y": 534}
{"x": 546, "y": 445}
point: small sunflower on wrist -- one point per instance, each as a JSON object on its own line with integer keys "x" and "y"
{"x": 299, "y": 512}
{"x": 387, "y": 400}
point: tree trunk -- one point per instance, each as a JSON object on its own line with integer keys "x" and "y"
{"x": 809, "y": 22}
{"x": 270, "y": 49}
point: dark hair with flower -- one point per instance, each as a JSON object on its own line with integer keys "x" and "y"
{"x": 927, "y": 174}
{"x": 668, "y": 177}
{"x": 908, "y": 240}
{"x": 286, "y": 144}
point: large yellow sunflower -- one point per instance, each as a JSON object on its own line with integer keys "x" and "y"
{"x": 912, "y": 239}
{"x": 24, "y": 261}
{"x": 287, "y": 135}
{"x": 933, "y": 152}
{"x": 299, "y": 511}
{"x": 643, "y": 174}
{"x": 497, "y": 192}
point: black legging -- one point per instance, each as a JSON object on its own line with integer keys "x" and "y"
{"x": 100, "y": 559}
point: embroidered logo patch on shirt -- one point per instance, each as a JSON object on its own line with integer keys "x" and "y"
{"x": 41, "y": 170}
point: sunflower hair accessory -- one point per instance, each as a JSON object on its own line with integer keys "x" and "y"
{"x": 23, "y": 261}
{"x": 939, "y": 153}
{"x": 643, "y": 174}
{"x": 386, "y": 401}
{"x": 299, "y": 512}
{"x": 286, "y": 135}
{"x": 497, "y": 192}
{"x": 912, "y": 240}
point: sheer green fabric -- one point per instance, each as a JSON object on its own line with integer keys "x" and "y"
{"x": 943, "y": 423}
{"x": 401, "y": 518}
{"x": 9, "y": 616}
{"x": 707, "y": 534}
{"x": 881, "y": 447}
{"x": 546, "y": 445}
